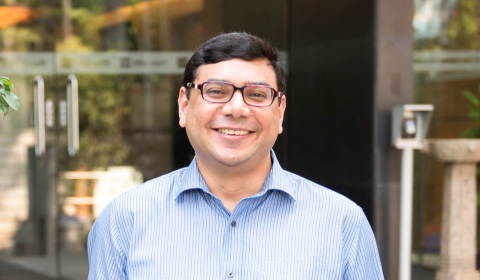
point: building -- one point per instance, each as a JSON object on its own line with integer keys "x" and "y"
{"x": 348, "y": 61}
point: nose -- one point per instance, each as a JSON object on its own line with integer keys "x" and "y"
{"x": 236, "y": 107}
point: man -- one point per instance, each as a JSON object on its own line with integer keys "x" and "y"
{"x": 233, "y": 213}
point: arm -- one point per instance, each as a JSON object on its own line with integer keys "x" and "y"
{"x": 106, "y": 258}
{"x": 363, "y": 261}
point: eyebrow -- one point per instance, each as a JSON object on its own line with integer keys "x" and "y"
{"x": 247, "y": 83}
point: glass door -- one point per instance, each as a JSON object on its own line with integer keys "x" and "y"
{"x": 110, "y": 72}
{"x": 27, "y": 181}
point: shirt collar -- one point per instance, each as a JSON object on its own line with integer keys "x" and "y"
{"x": 277, "y": 179}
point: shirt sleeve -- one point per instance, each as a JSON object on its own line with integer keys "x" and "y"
{"x": 105, "y": 256}
{"x": 363, "y": 261}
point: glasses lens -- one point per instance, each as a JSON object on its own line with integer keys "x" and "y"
{"x": 217, "y": 92}
{"x": 258, "y": 96}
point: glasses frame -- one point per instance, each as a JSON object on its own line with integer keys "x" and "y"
{"x": 200, "y": 87}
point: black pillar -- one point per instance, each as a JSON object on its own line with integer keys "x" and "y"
{"x": 349, "y": 63}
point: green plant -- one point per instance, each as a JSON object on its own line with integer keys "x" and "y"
{"x": 474, "y": 132}
{"x": 7, "y": 97}
{"x": 473, "y": 113}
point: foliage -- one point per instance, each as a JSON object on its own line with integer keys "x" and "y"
{"x": 463, "y": 28}
{"x": 474, "y": 113}
{"x": 102, "y": 111}
{"x": 460, "y": 30}
{"x": 7, "y": 97}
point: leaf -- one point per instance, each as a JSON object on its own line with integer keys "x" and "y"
{"x": 2, "y": 100}
{"x": 4, "y": 108}
{"x": 8, "y": 84}
{"x": 472, "y": 99}
{"x": 5, "y": 85}
{"x": 474, "y": 115}
{"x": 471, "y": 133}
{"x": 12, "y": 100}
{"x": 6, "y": 81}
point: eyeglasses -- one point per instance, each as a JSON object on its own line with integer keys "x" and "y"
{"x": 253, "y": 95}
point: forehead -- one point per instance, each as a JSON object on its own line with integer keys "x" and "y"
{"x": 238, "y": 72}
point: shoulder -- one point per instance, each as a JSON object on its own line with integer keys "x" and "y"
{"x": 328, "y": 209}
{"x": 144, "y": 197}
{"x": 121, "y": 213}
{"x": 157, "y": 188}
{"x": 321, "y": 197}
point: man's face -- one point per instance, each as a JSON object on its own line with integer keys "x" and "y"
{"x": 210, "y": 125}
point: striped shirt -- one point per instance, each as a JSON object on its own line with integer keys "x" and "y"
{"x": 173, "y": 227}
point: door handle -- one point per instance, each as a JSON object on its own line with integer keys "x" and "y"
{"x": 72, "y": 113}
{"x": 39, "y": 114}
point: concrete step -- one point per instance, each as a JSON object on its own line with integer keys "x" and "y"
{"x": 17, "y": 213}
{"x": 14, "y": 158}
{"x": 11, "y": 215}
{"x": 25, "y": 136}
{"x": 6, "y": 243}
{"x": 14, "y": 203}
{"x": 7, "y": 139}
{"x": 17, "y": 150}
{"x": 13, "y": 196}
{"x": 8, "y": 227}
{"x": 14, "y": 171}
{"x": 9, "y": 182}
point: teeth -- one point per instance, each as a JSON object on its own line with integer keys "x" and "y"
{"x": 233, "y": 132}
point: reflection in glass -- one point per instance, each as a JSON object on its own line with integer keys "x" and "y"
{"x": 447, "y": 63}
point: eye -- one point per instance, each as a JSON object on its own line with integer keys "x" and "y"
{"x": 217, "y": 90}
{"x": 257, "y": 93}
{"x": 214, "y": 91}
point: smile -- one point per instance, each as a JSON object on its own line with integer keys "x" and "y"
{"x": 233, "y": 132}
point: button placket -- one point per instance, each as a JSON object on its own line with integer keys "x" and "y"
{"x": 234, "y": 232}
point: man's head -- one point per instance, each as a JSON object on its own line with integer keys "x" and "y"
{"x": 231, "y": 132}
{"x": 234, "y": 45}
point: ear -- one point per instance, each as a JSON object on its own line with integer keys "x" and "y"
{"x": 281, "y": 113}
{"x": 182, "y": 107}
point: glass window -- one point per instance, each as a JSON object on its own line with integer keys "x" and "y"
{"x": 447, "y": 70}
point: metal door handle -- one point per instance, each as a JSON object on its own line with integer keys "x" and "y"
{"x": 72, "y": 112}
{"x": 39, "y": 114}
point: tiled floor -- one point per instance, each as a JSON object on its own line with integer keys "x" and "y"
{"x": 72, "y": 266}
{"x": 10, "y": 271}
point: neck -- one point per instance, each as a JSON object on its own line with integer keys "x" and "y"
{"x": 232, "y": 184}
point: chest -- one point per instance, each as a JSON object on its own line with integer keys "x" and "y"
{"x": 203, "y": 243}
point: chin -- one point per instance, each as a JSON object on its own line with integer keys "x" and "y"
{"x": 231, "y": 160}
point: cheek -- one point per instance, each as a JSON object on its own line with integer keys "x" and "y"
{"x": 196, "y": 119}
{"x": 274, "y": 121}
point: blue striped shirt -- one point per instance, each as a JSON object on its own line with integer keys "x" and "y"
{"x": 173, "y": 227}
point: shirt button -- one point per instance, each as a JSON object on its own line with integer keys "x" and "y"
{"x": 230, "y": 274}
{"x": 234, "y": 224}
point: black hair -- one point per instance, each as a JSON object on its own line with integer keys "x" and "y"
{"x": 230, "y": 46}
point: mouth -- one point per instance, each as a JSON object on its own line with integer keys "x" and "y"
{"x": 233, "y": 131}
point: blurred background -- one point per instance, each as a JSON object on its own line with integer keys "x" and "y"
{"x": 348, "y": 63}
